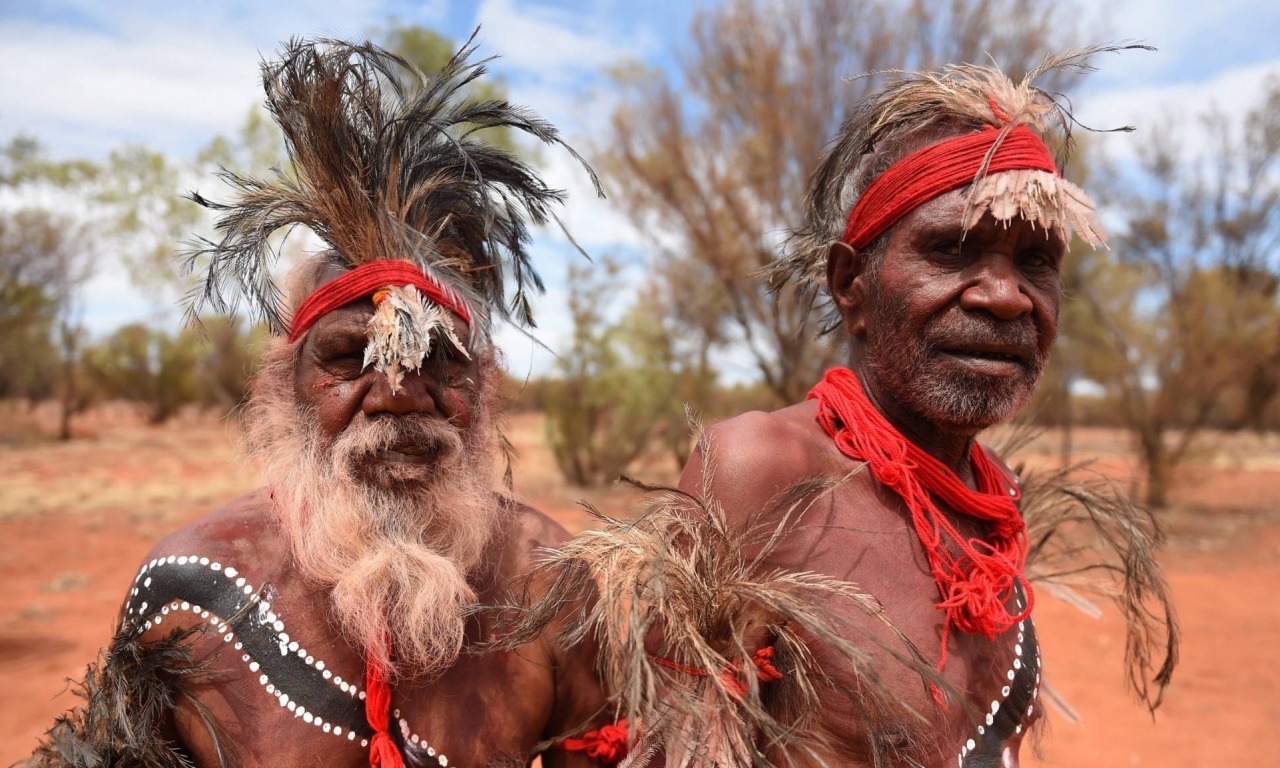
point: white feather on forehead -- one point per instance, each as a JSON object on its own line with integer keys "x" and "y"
{"x": 1044, "y": 199}
{"x": 400, "y": 333}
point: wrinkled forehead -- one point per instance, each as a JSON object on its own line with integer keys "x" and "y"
{"x": 351, "y": 320}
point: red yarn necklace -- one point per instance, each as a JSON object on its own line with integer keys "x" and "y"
{"x": 976, "y": 577}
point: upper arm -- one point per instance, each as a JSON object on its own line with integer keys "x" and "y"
{"x": 191, "y": 606}
{"x": 578, "y": 698}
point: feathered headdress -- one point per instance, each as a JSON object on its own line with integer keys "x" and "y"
{"x": 991, "y": 130}
{"x": 387, "y": 170}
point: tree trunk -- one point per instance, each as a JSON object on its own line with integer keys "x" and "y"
{"x": 1158, "y": 474}
{"x": 69, "y": 344}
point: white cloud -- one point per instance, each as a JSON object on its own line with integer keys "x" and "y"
{"x": 593, "y": 222}
{"x": 543, "y": 41}
{"x": 1146, "y": 106}
{"x": 1181, "y": 29}
{"x": 80, "y": 91}
{"x": 167, "y": 75}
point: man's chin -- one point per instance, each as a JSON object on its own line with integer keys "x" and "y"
{"x": 394, "y": 474}
{"x": 970, "y": 404}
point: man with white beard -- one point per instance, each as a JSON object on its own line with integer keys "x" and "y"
{"x": 338, "y": 616}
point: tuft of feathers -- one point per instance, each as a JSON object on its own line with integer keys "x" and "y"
{"x": 128, "y": 694}
{"x": 1088, "y": 540}
{"x": 385, "y": 164}
{"x": 916, "y": 108}
{"x": 401, "y": 330}
{"x": 680, "y": 599}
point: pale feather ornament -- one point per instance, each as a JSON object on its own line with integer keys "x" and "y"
{"x": 400, "y": 333}
{"x": 1046, "y": 200}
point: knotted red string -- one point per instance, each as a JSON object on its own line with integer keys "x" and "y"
{"x": 365, "y": 280}
{"x": 608, "y": 744}
{"x": 940, "y": 167}
{"x": 383, "y": 752}
{"x": 976, "y": 577}
{"x": 731, "y": 672}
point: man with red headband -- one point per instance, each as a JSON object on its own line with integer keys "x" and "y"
{"x": 846, "y": 581}
{"x": 338, "y": 616}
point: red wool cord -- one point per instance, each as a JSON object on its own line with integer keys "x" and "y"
{"x": 383, "y": 752}
{"x": 731, "y": 673}
{"x": 366, "y": 280}
{"x": 941, "y": 167}
{"x": 976, "y": 577}
{"x": 608, "y": 744}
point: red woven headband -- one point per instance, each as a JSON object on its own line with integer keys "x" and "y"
{"x": 926, "y": 173}
{"x": 365, "y": 280}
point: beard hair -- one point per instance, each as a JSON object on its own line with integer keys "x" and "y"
{"x": 953, "y": 399}
{"x": 393, "y": 543}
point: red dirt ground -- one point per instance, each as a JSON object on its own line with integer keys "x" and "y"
{"x": 75, "y": 520}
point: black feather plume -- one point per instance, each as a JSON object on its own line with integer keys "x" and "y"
{"x": 385, "y": 165}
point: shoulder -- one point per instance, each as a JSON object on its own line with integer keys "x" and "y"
{"x": 244, "y": 531}
{"x": 211, "y": 564}
{"x": 524, "y": 536}
{"x": 756, "y": 455}
{"x": 532, "y": 530}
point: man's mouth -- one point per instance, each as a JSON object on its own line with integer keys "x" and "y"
{"x": 991, "y": 360}
{"x": 408, "y": 453}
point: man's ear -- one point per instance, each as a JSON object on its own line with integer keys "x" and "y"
{"x": 847, "y": 279}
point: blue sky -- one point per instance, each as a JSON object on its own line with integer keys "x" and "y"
{"x": 85, "y": 76}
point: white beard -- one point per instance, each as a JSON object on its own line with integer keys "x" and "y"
{"x": 395, "y": 555}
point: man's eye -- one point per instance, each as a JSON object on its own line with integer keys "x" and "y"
{"x": 448, "y": 367}
{"x": 343, "y": 359}
{"x": 948, "y": 252}
{"x": 1037, "y": 260}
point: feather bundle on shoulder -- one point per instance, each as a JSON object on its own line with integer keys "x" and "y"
{"x": 127, "y": 694}
{"x": 681, "y": 600}
{"x": 1087, "y": 539}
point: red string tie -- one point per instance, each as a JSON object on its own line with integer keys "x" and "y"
{"x": 608, "y": 744}
{"x": 731, "y": 673}
{"x": 383, "y": 752}
{"x": 763, "y": 660}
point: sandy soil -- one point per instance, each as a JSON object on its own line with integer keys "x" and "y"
{"x": 75, "y": 520}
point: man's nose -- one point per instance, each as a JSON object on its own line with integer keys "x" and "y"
{"x": 997, "y": 290}
{"x": 411, "y": 396}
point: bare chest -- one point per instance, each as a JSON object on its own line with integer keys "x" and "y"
{"x": 991, "y": 685}
{"x": 283, "y": 687}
